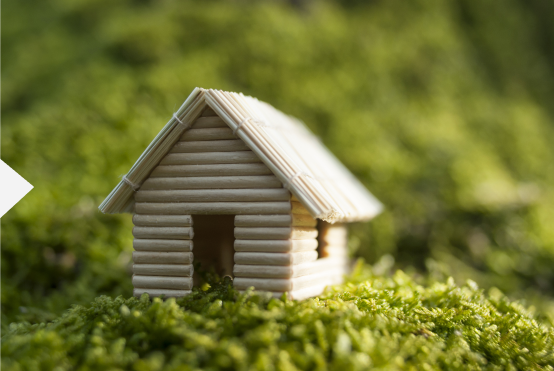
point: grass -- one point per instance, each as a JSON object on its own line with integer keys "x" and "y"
{"x": 385, "y": 322}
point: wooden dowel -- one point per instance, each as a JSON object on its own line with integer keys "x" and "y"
{"x": 295, "y": 220}
{"x": 210, "y": 170}
{"x": 174, "y": 270}
{"x": 215, "y": 208}
{"x": 162, "y": 220}
{"x": 241, "y": 157}
{"x": 121, "y": 198}
{"x": 161, "y": 292}
{"x": 148, "y": 257}
{"x": 284, "y": 284}
{"x": 277, "y": 246}
{"x": 168, "y": 233}
{"x": 216, "y": 182}
{"x": 207, "y": 134}
{"x": 162, "y": 282}
{"x": 162, "y": 245}
{"x": 260, "y": 258}
{"x": 214, "y": 195}
{"x": 291, "y": 271}
{"x": 263, "y": 221}
{"x": 210, "y": 146}
{"x": 206, "y": 122}
{"x": 298, "y": 208}
{"x": 208, "y": 112}
{"x": 275, "y": 233}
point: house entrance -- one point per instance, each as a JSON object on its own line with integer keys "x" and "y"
{"x": 213, "y": 245}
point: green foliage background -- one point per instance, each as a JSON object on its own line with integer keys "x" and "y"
{"x": 443, "y": 109}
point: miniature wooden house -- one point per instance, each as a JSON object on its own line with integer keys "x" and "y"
{"x": 256, "y": 194}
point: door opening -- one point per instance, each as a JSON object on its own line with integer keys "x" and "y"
{"x": 213, "y": 245}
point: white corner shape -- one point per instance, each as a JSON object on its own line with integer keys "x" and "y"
{"x": 12, "y": 188}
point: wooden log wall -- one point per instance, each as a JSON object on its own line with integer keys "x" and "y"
{"x": 210, "y": 172}
{"x": 278, "y": 253}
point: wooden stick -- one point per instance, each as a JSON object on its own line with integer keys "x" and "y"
{"x": 210, "y": 146}
{"x": 281, "y": 285}
{"x": 162, "y": 220}
{"x": 217, "y": 182}
{"x": 291, "y": 271}
{"x": 214, "y": 195}
{"x": 162, "y": 282}
{"x": 207, "y": 134}
{"x": 294, "y": 220}
{"x": 162, "y": 245}
{"x": 215, "y": 208}
{"x": 204, "y": 122}
{"x": 210, "y": 170}
{"x": 277, "y": 246}
{"x": 121, "y": 198}
{"x": 208, "y": 112}
{"x": 260, "y": 258}
{"x": 147, "y": 257}
{"x": 175, "y": 270}
{"x": 275, "y": 233}
{"x": 241, "y": 157}
{"x": 298, "y": 208}
{"x": 160, "y": 292}
{"x": 168, "y": 233}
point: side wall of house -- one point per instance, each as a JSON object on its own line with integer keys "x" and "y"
{"x": 211, "y": 172}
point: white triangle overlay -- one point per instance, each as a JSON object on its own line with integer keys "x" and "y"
{"x": 12, "y": 188}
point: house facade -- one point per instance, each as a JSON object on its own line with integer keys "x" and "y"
{"x": 234, "y": 186}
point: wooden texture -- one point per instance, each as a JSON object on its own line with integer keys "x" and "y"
{"x": 298, "y": 208}
{"x": 291, "y": 271}
{"x": 175, "y": 270}
{"x": 277, "y": 233}
{"x": 162, "y": 282}
{"x": 216, "y": 182}
{"x": 214, "y": 208}
{"x": 230, "y": 145}
{"x": 148, "y": 257}
{"x": 167, "y": 233}
{"x": 278, "y": 246}
{"x": 210, "y": 170}
{"x": 162, "y": 220}
{"x": 204, "y": 122}
{"x": 324, "y": 185}
{"x": 207, "y": 134}
{"x": 162, "y": 245}
{"x": 121, "y": 199}
{"x": 261, "y": 258}
{"x": 294, "y": 220}
{"x": 213, "y": 195}
{"x": 239, "y": 157}
{"x": 208, "y": 111}
{"x": 283, "y": 284}
{"x": 161, "y": 292}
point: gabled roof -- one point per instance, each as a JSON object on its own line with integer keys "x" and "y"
{"x": 303, "y": 164}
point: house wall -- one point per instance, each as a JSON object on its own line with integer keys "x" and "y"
{"x": 211, "y": 172}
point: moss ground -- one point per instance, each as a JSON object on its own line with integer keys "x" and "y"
{"x": 387, "y": 323}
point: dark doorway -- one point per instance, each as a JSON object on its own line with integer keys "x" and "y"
{"x": 213, "y": 245}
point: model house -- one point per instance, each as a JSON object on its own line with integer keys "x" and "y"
{"x": 243, "y": 189}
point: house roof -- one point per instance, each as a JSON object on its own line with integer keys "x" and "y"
{"x": 296, "y": 156}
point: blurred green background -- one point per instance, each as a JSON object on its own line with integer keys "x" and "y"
{"x": 444, "y": 110}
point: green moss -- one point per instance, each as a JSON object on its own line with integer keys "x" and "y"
{"x": 381, "y": 322}
{"x": 442, "y": 109}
